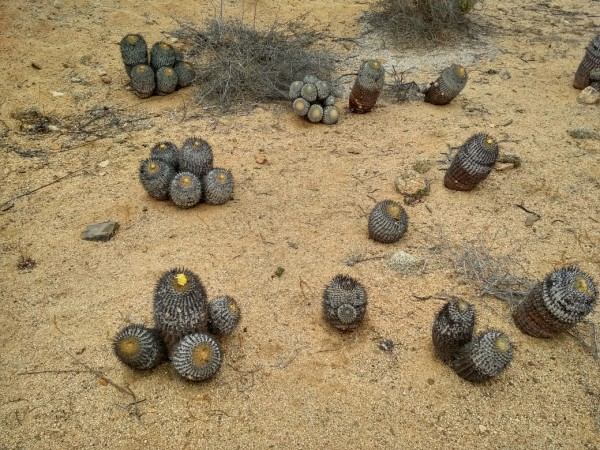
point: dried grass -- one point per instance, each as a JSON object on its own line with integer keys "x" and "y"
{"x": 240, "y": 66}
{"x": 419, "y": 22}
{"x": 499, "y": 276}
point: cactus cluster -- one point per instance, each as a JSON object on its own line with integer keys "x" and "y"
{"x": 314, "y": 100}
{"x": 187, "y": 329}
{"x": 344, "y": 302}
{"x": 185, "y": 175}
{"x": 161, "y": 72}
{"x": 476, "y": 359}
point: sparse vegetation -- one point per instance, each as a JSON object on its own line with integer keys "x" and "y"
{"x": 240, "y": 66}
{"x": 420, "y": 22}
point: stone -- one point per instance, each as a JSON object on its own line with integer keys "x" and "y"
{"x": 504, "y": 74}
{"x": 412, "y": 183}
{"x": 531, "y": 219}
{"x": 404, "y": 262}
{"x": 589, "y": 96}
{"x": 583, "y": 133}
{"x": 103, "y": 231}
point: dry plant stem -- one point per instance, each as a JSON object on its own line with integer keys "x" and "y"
{"x": 492, "y": 275}
{"x": 302, "y": 284}
{"x": 37, "y": 372}
{"x": 32, "y": 191}
{"x": 100, "y": 375}
{"x": 100, "y": 123}
{"x": 124, "y": 389}
{"x": 591, "y": 345}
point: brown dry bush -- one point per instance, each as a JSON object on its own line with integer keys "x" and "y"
{"x": 239, "y": 66}
{"x": 420, "y": 22}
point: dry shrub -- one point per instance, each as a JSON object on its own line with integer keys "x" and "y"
{"x": 498, "y": 276}
{"x": 239, "y": 66}
{"x": 420, "y": 22}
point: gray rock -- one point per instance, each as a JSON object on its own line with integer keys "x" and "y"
{"x": 100, "y": 231}
{"x": 595, "y": 74}
{"x": 589, "y": 96}
{"x": 504, "y": 74}
{"x": 583, "y": 133}
{"x": 404, "y": 262}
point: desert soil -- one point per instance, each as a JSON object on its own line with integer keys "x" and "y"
{"x": 289, "y": 380}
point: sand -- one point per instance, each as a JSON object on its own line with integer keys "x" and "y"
{"x": 289, "y": 380}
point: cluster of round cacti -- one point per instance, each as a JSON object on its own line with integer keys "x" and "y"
{"x": 344, "y": 302}
{"x": 163, "y": 72}
{"x": 474, "y": 358}
{"x": 187, "y": 329}
{"x": 185, "y": 175}
{"x": 314, "y": 100}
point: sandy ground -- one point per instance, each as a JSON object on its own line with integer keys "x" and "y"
{"x": 289, "y": 380}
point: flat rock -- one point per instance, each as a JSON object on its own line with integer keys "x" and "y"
{"x": 583, "y": 133}
{"x": 100, "y": 231}
{"x": 589, "y": 96}
{"x": 404, "y": 262}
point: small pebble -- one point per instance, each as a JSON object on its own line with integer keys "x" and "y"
{"x": 260, "y": 159}
{"x": 57, "y": 94}
{"x": 531, "y": 219}
{"x": 106, "y": 79}
{"x": 36, "y": 66}
{"x": 504, "y": 74}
